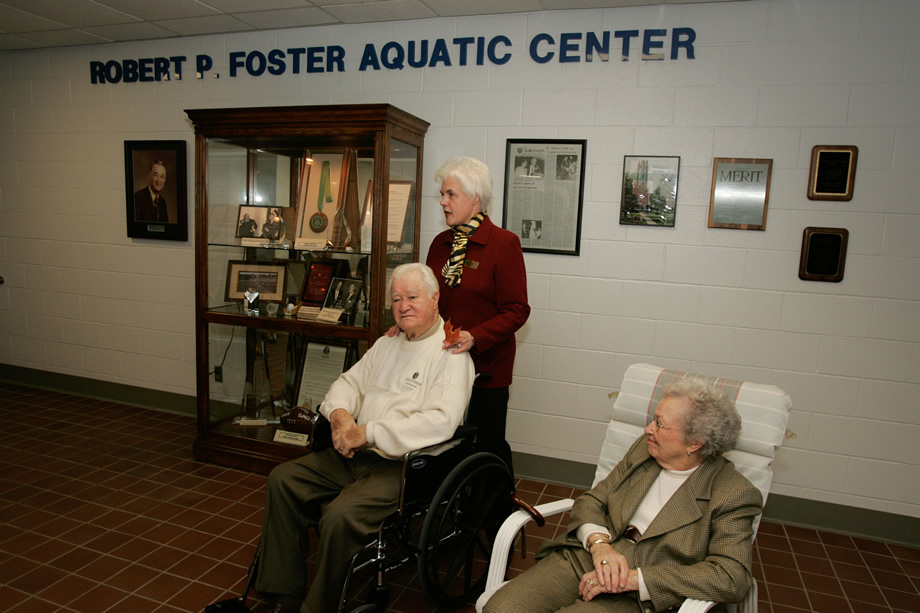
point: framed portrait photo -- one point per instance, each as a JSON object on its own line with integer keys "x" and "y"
{"x": 343, "y": 297}
{"x": 544, "y": 189}
{"x": 266, "y": 278}
{"x": 649, "y": 196}
{"x": 155, "y": 189}
{"x": 260, "y": 222}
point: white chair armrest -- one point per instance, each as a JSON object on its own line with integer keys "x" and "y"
{"x": 501, "y": 548}
{"x": 692, "y": 605}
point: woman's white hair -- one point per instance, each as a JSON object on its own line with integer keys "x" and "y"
{"x": 419, "y": 271}
{"x": 474, "y": 178}
{"x": 712, "y": 420}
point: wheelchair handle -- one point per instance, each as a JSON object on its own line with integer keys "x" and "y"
{"x": 535, "y": 514}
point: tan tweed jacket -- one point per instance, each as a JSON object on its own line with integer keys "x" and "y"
{"x": 699, "y": 545}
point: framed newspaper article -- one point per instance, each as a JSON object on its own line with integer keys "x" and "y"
{"x": 544, "y": 189}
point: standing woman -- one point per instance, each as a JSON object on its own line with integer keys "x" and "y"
{"x": 483, "y": 285}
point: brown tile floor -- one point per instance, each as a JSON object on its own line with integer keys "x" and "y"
{"x": 102, "y": 508}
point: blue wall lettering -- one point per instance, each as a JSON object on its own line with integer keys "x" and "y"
{"x": 393, "y": 56}
{"x": 133, "y": 71}
{"x": 564, "y": 48}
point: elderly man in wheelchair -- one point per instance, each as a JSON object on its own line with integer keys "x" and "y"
{"x": 673, "y": 520}
{"x": 404, "y": 394}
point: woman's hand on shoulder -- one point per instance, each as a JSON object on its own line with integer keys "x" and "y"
{"x": 393, "y": 331}
{"x": 466, "y": 343}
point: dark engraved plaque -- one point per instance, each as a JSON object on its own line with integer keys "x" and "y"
{"x": 824, "y": 253}
{"x": 832, "y": 174}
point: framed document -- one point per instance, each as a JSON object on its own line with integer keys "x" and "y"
{"x": 740, "y": 193}
{"x": 832, "y": 173}
{"x": 323, "y": 363}
{"x": 544, "y": 189}
{"x": 266, "y": 278}
{"x": 649, "y": 195}
{"x": 824, "y": 254}
{"x": 400, "y": 191}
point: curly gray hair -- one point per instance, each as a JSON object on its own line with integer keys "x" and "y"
{"x": 712, "y": 420}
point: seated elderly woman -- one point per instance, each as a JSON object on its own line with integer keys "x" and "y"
{"x": 673, "y": 520}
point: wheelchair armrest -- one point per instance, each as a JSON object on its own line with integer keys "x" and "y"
{"x": 462, "y": 432}
{"x": 409, "y": 458}
{"x": 501, "y": 547}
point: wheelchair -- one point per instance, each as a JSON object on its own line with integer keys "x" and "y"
{"x": 450, "y": 506}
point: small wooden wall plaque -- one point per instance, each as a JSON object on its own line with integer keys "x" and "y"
{"x": 832, "y": 173}
{"x": 824, "y": 254}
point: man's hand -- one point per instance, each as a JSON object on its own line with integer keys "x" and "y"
{"x": 347, "y": 436}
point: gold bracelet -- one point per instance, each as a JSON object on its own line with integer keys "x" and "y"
{"x": 605, "y": 540}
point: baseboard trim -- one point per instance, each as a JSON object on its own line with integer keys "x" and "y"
{"x": 817, "y": 515}
{"x": 826, "y": 516}
{"x": 170, "y": 402}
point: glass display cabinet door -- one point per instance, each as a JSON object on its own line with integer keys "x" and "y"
{"x": 402, "y": 210}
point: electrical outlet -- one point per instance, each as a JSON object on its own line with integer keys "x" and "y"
{"x": 218, "y": 374}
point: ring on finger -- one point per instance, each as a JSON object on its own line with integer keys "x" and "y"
{"x": 604, "y": 562}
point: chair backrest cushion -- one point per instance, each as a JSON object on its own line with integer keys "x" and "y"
{"x": 764, "y": 411}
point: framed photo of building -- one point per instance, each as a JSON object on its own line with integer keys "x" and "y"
{"x": 649, "y": 196}
{"x": 266, "y": 278}
{"x": 155, "y": 189}
{"x": 544, "y": 190}
{"x": 740, "y": 193}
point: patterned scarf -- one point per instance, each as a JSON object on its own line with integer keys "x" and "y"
{"x": 453, "y": 267}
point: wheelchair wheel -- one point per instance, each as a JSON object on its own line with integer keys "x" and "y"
{"x": 456, "y": 539}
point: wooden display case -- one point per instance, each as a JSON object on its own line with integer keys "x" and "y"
{"x": 308, "y": 206}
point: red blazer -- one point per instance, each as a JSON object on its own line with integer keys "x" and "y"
{"x": 491, "y": 300}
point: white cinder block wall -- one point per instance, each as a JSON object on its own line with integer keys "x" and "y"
{"x": 771, "y": 79}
